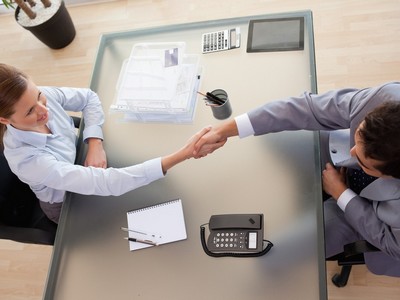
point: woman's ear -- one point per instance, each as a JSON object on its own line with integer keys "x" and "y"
{"x": 4, "y": 121}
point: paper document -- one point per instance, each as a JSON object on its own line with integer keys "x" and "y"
{"x": 157, "y": 82}
{"x": 165, "y": 221}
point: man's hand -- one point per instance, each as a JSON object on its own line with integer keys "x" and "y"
{"x": 208, "y": 143}
{"x": 96, "y": 156}
{"x": 186, "y": 152}
{"x": 334, "y": 181}
{"x": 215, "y": 138}
{"x": 188, "y": 149}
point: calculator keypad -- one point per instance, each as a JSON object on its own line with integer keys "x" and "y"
{"x": 215, "y": 41}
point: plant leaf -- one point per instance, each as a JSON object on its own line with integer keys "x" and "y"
{"x": 8, "y": 4}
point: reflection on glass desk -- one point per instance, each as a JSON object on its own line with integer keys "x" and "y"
{"x": 277, "y": 175}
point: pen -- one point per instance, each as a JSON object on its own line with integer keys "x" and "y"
{"x": 211, "y": 104}
{"x": 140, "y": 232}
{"x": 215, "y": 98}
{"x": 140, "y": 241}
{"x": 212, "y": 98}
{"x": 127, "y": 229}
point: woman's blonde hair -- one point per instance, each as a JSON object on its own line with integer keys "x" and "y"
{"x": 13, "y": 83}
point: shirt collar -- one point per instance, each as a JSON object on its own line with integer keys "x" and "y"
{"x": 28, "y": 137}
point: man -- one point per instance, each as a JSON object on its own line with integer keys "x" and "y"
{"x": 373, "y": 117}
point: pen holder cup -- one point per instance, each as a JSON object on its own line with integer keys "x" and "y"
{"x": 222, "y": 111}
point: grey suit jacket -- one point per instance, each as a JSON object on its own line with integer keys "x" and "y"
{"x": 377, "y": 220}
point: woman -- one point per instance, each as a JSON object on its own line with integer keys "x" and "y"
{"x": 39, "y": 142}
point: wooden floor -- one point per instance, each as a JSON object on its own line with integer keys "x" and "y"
{"x": 357, "y": 44}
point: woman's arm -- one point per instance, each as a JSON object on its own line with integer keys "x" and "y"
{"x": 186, "y": 152}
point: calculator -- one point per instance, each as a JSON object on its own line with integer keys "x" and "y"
{"x": 220, "y": 40}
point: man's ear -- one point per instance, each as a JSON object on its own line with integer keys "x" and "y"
{"x": 4, "y": 121}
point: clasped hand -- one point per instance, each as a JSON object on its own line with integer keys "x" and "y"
{"x": 209, "y": 141}
{"x": 334, "y": 181}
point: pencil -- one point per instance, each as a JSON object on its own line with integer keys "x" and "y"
{"x": 212, "y": 98}
{"x": 201, "y": 94}
{"x": 215, "y": 99}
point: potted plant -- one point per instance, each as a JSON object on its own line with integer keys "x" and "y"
{"x": 48, "y": 20}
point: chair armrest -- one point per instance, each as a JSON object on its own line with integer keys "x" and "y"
{"x": 77, "y": 121}
{"x": 26, "y": 235}
{"x": 358, "y": 247}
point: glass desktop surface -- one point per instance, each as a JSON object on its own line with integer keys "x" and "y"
{"x": 277, "y": 175}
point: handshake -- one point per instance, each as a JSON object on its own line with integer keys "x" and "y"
{"x": 204, "y": 142}
{"x": 209, "y": 139}
{"x": 201, "y": 144}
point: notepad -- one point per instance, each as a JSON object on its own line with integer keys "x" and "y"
{"x": 163, "y": 223}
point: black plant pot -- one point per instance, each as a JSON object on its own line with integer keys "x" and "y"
{"x": 57, "y": 32}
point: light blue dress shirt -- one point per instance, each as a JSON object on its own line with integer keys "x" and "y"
{"x": 46, "y": 161}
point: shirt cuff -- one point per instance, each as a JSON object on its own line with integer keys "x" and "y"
{"x": 345, "y": 198}
{"x": 153, "y": 169}
{"x": 244, "y": 126}
{"x": 92, "y": 132}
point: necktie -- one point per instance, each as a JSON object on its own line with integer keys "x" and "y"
{"x": 358, "y": 179}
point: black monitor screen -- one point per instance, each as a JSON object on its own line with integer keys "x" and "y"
{"x": 283, "y": 34}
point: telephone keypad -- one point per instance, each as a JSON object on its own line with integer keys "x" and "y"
{"x": 226, "y": 240}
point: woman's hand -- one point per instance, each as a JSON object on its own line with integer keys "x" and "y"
{"x": 186, "y": 152}
{"x": 215, "y": 138}
{"x": 96, "y": 156}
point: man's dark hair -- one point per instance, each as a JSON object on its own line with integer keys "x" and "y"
{"x": 380, "y": 133}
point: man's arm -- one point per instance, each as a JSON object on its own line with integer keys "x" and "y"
{"x": 308, "y": 111}
{"x": 359, "y": 212}
{"x": 363, "y": 218}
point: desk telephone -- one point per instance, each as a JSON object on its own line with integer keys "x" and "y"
{"x": 237, "y": 235}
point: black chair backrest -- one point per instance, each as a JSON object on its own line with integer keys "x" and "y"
{"x": 21, "y": 218}
{"x": 17, "y": 200}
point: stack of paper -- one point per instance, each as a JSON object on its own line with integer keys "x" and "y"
{"x": 158, "y": 83}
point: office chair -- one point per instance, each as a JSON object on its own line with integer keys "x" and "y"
{"x": 21, "y": 218}
{"x": 353, "y": 254}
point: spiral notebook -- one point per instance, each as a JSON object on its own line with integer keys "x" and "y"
{"x": 162, "y": 223}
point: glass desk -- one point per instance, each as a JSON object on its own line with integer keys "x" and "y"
{"x": 276, "y": 174}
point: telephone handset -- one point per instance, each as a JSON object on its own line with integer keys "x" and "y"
{"x": 237, "y": 235}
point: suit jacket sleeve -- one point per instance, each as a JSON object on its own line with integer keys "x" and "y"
{"x": 384, "y": 235}
{"x": 336, "y": 109}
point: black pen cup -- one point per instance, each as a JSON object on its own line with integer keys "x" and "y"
{"x": 221, "y": 111}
